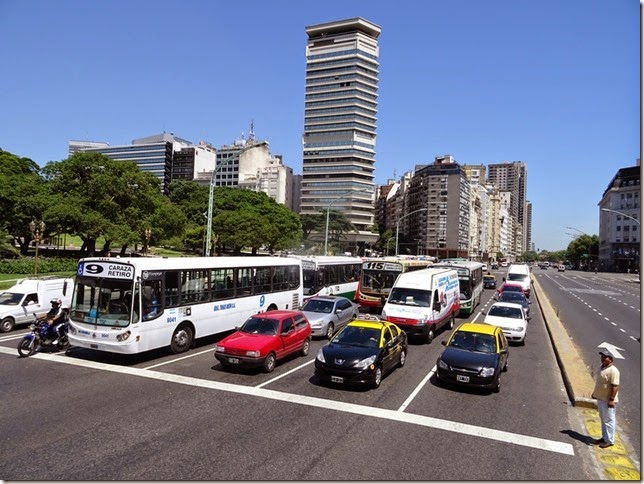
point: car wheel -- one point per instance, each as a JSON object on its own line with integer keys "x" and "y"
{"x": 329, "y": 331}
{"x": 306, "y": 347}
{"x": 430, "y": 335}
{"x": 6, "y": 325}
{"x": 377, "y": 377}
{"x": 403, "y": 358}
{"x": 269, "y": 363}
{"x": 497, "y": 387}
{"x": 181, "y": 339}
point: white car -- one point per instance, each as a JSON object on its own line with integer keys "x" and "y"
{"x": 511, "y": 318}
{"x": 327, "y": 314}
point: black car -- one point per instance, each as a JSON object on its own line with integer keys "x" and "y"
{"x": 517, "y": 298}
{"x": 362, "y": 353}
{"x": 475, "y": 356}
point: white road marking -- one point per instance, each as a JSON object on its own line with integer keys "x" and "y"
{"x": 180, "y": 358}
{"x": 363, "y": 410}
{"x": 284, "y": 374}
{"x": 417, "y": 389}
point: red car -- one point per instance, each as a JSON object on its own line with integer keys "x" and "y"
{"x": 265, "y": 338}
{"x": 511, "y": 286}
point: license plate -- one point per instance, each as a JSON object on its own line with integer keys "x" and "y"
{"x": 464, "y": 379}
{"x": 233, "y": 360}
{"x": 93, "y": 346}
{"x": 337, "y": 379}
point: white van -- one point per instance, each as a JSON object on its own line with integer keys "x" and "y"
{"x": 520, "y": 274}
{"x": 422, "y": 302}
{"x": 32, "y": 295}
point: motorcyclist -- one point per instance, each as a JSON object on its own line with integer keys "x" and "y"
{"x": 55, "y": 319}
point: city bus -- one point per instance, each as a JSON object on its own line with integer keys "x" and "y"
{"x": 378, "y": 276}
{"x": 330, "y": 275}
{"x": 132, "y": 305}
{"x": 470, "y": 281}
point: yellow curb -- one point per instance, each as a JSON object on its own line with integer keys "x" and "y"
{"x": 620, "y": 474}
{"x": 617, "y": 461}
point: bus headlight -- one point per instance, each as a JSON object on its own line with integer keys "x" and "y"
{"x": 123, "y": 336}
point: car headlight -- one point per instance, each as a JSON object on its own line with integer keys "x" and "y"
{"x": 442, "y": 365}
{"x": 320, "y": 356}
{"x": 253, "y": 353}
{"x": 220, "y": 349}
{"x": 485, "y": 372}
{"x": 316, "y": 324}
{"x": 362, "y": 364}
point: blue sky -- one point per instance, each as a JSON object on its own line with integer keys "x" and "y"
{"x": 553, "y": 83}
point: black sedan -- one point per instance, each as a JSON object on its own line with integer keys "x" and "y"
{"x": 362, "y": 353}
{"x": 475, "y": 356}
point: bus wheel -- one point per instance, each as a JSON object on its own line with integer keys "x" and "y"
{"x": 181, "y": 339}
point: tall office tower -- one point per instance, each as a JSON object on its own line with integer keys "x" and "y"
{"x": 339, "y": 138}
{"x": 76, "y": 146}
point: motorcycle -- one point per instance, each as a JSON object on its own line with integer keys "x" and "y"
{"x": 41, "y": 337}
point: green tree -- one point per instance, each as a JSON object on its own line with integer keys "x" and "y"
{"x": 23, "y": 197}
{"x": 96, "y": 196}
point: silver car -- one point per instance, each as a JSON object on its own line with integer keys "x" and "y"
{"x": 327, "y": 314}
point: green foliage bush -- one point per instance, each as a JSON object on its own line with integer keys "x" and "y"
{"x": 25, "y": 265}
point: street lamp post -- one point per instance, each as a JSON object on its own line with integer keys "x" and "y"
{"x": 212, "y": 189}
{"x": 400, "y": 219}
{"x": 328, "y": 209}
{"x": 620, "y": 213}
{"x": 148, "y": 234}
{"x": 37, "y": 229}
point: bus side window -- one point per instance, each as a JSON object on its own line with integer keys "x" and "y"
{"x": 172, "y": 284}
{"x": 244, "y": 282}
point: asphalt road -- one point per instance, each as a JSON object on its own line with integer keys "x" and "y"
{"x": 603, "y": 311}
{"x": 85, "y": 415}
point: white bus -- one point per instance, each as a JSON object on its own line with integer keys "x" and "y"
{"x": 470, "y": 281}
{"x": 378, "y": 276}
{"x": 330, "y": 275}
{"x": 137, "y": 304}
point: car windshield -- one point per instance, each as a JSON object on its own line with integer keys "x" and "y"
{"x": 509, "y": 296}
{"x": 258, "y": 325}
{"x": 409, "y": 297}
{"x": 357, "y": 336}
{"x": 483, "y": 343}
{"x": 505, "y": 312}
{"x": 318, "y": 306}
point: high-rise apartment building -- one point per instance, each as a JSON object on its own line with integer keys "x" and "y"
{"x": 513, "y": 178}
{"x": 341, "y": 101}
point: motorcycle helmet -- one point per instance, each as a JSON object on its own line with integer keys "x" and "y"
{"x": 56, "y": 301}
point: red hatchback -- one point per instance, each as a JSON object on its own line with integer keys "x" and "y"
{"x": 511, "y": 286}
{"x": 265, "y": 338}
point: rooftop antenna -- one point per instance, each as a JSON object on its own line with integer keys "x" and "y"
{"x": 251, "y": 135}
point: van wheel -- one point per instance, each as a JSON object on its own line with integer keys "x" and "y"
{"x": 430, "y": 335}
{"x": 181, "y": 339}
{"x": 6, "y": 325}
{"x": 451, "y": 322}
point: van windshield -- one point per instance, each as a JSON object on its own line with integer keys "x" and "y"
{"x": 11, "y": 298}
{"x": 410, "y": 297}
{"x": 518, "y": 277}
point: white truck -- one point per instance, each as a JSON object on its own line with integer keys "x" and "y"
{"x": 32, "y": 295}
{"x": 422, "y": 302}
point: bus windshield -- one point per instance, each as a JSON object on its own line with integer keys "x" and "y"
{"x": 103, "y": 302}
